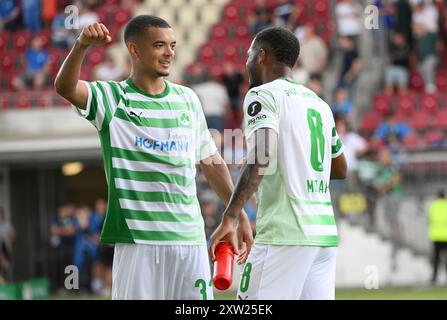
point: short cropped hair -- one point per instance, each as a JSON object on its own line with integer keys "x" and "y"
{"x": 137, "y": 26}
{"x": 283, "y": 44}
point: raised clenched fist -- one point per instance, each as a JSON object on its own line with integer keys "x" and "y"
{"x": 95, "y": 33}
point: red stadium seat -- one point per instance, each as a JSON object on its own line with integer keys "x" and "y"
{"x": 420, "y": 121}
{"x": 405, "y": 104}
{"x": 441, "y": 80}
{"x": 441, "y": 120}
{"x": 7, "y": 62}
{"x": 416, "y": 81}
{"x": 434, "y": 138}
{"x": 321, "y": 8}
{"x": 430, "y": 103}
{"x": 21, "y": 40}
{"x": 44, "y": 99}
{"x": 207, "y": 53}
{"x": 23, "y": 100}
{"x": 4, "y": 38}
{"x": 231, "y": 13}
{"x": 95, "y": 55}
{"x": 45, "y": 36}
{"x": 219, "y": 32}
{"x": 382, "y": 103}
{"x": 370, "y": 122}
{"x": 242, "y": 31}
{"x": 5, "y": 102}
{"x": 121, "y": 16}
{"x": 230, "y": 52}
{"x": 411, "y": 141}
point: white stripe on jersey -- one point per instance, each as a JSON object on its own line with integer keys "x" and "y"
{"x": 155, "y": 187}
{"x": 119, "y": 163}
{"x": 319, "y": 230}
{"x": 167, "y": 226}
{"x": 157, "y": 206}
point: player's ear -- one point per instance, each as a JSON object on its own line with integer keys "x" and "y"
{"x": 133, "y": 50}
{"x": 262, "y": 56}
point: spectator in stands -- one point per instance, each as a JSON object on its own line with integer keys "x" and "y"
{"x": 315, "y": 85}
{"x": 437, "y": 230}
{"x": 215, "y": 102}
{"x": 86, "y": 15}
{"x": 197, "y": 74}
{"x": 396, "y": 72}
{"x": 61, "y": 36}
{"x": 32, "y": 15}
{"x": 403, "y": 18}
{"x": 313, "y": 51}
{"x": 84, "y": 250}
{"x": 49, "y": 11}
{"x": 426, "y": 15}
{"x": 348, "y": 15}
{"x": 9, "y": 15}
{"x": 63, "y": 229}
{"x": 427, "y": 55}
{"x": 109, "y": 70}
{"x": 391, "y": 132}
{"x": 285, "y": 14}
{"x": 299, "y": 73}
{"x": 102, "y": 260}
{"x": 355, "y": 146}
{"x": 7, "y": 237}
{"x": 350, "y": 66}
{"x": 261, "y": 18}
{"x": 37, "y": 70}
{"x": 342, "y": 106}
{"x": 232, "y": 80}
{"x": 387, "y": 184}
{"x": 210, "y": 217}
{"x": 367, "y": 169}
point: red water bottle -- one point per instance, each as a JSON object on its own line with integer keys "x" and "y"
{"x": 223, "y": 266}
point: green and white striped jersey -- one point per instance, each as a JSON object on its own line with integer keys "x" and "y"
{"x": 294, "y": 203}
{"x": 150, "y": 145}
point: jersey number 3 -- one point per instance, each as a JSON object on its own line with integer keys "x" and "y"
{"x": 316, "y": 139}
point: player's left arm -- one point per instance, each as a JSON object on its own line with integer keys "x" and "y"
{"x": 262, "y": 145}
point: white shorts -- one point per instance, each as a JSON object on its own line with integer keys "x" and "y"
{"x": 161, "y": 272}
{"x": 288, "y": 273}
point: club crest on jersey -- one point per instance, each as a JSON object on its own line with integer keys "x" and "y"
{"x": 184, "y": 119}
{"x": 254, "y": 108}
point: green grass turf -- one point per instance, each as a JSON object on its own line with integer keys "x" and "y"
{"x": 429, "y": 293}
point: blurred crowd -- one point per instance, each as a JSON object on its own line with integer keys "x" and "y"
{"x": 75, "y": 235}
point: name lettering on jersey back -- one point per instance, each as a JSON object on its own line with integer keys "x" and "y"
{"x": 309, "y": 94}
{"x": 317, "y": 186}
{"x": 162, "y": 145}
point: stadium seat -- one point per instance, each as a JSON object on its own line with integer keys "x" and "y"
{"x": 209, "y": 14}
{"x": 231, "y": 13}
{"x": 430, "y": 102}
{"x": 5, "y": 101}
{"x": 321, "y": 8}
{"x": 207, "y": 53}
{"x": 382, "y": 103}
{"x": 434, "y": 138}
{"x": 441, "y": 120}
{"x": 44, "y": 99}
{"x": 242, "y": 31}
{"x": 219, "y": 32}
{"x": 22, "y": 100}
{"x": 21, "y": 40}
{"x": 441, "y": 80}
{"x": 411, "y": 141}
{"x": 45, "y": 36}
{"x": 405, "y": 104}
{"x": 120, "y": 16}
{"x": 370, "y": 122}
{"x": 7, "y": 62}
{"x": 416, "y": 81}
{"x": 4, "y": 39}
{"x": 420, "y": 121}
{"x": 230, "y": 52}
{"x": 95, "y": 55}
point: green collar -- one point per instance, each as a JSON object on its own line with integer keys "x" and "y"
{"x": 159, "y": 95}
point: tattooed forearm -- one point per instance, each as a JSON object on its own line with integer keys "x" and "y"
{"x": 246, "y": 185}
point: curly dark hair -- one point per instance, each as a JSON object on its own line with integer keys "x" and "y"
{"x": 137, "y": 26}
{"x": 282, "y": 43}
